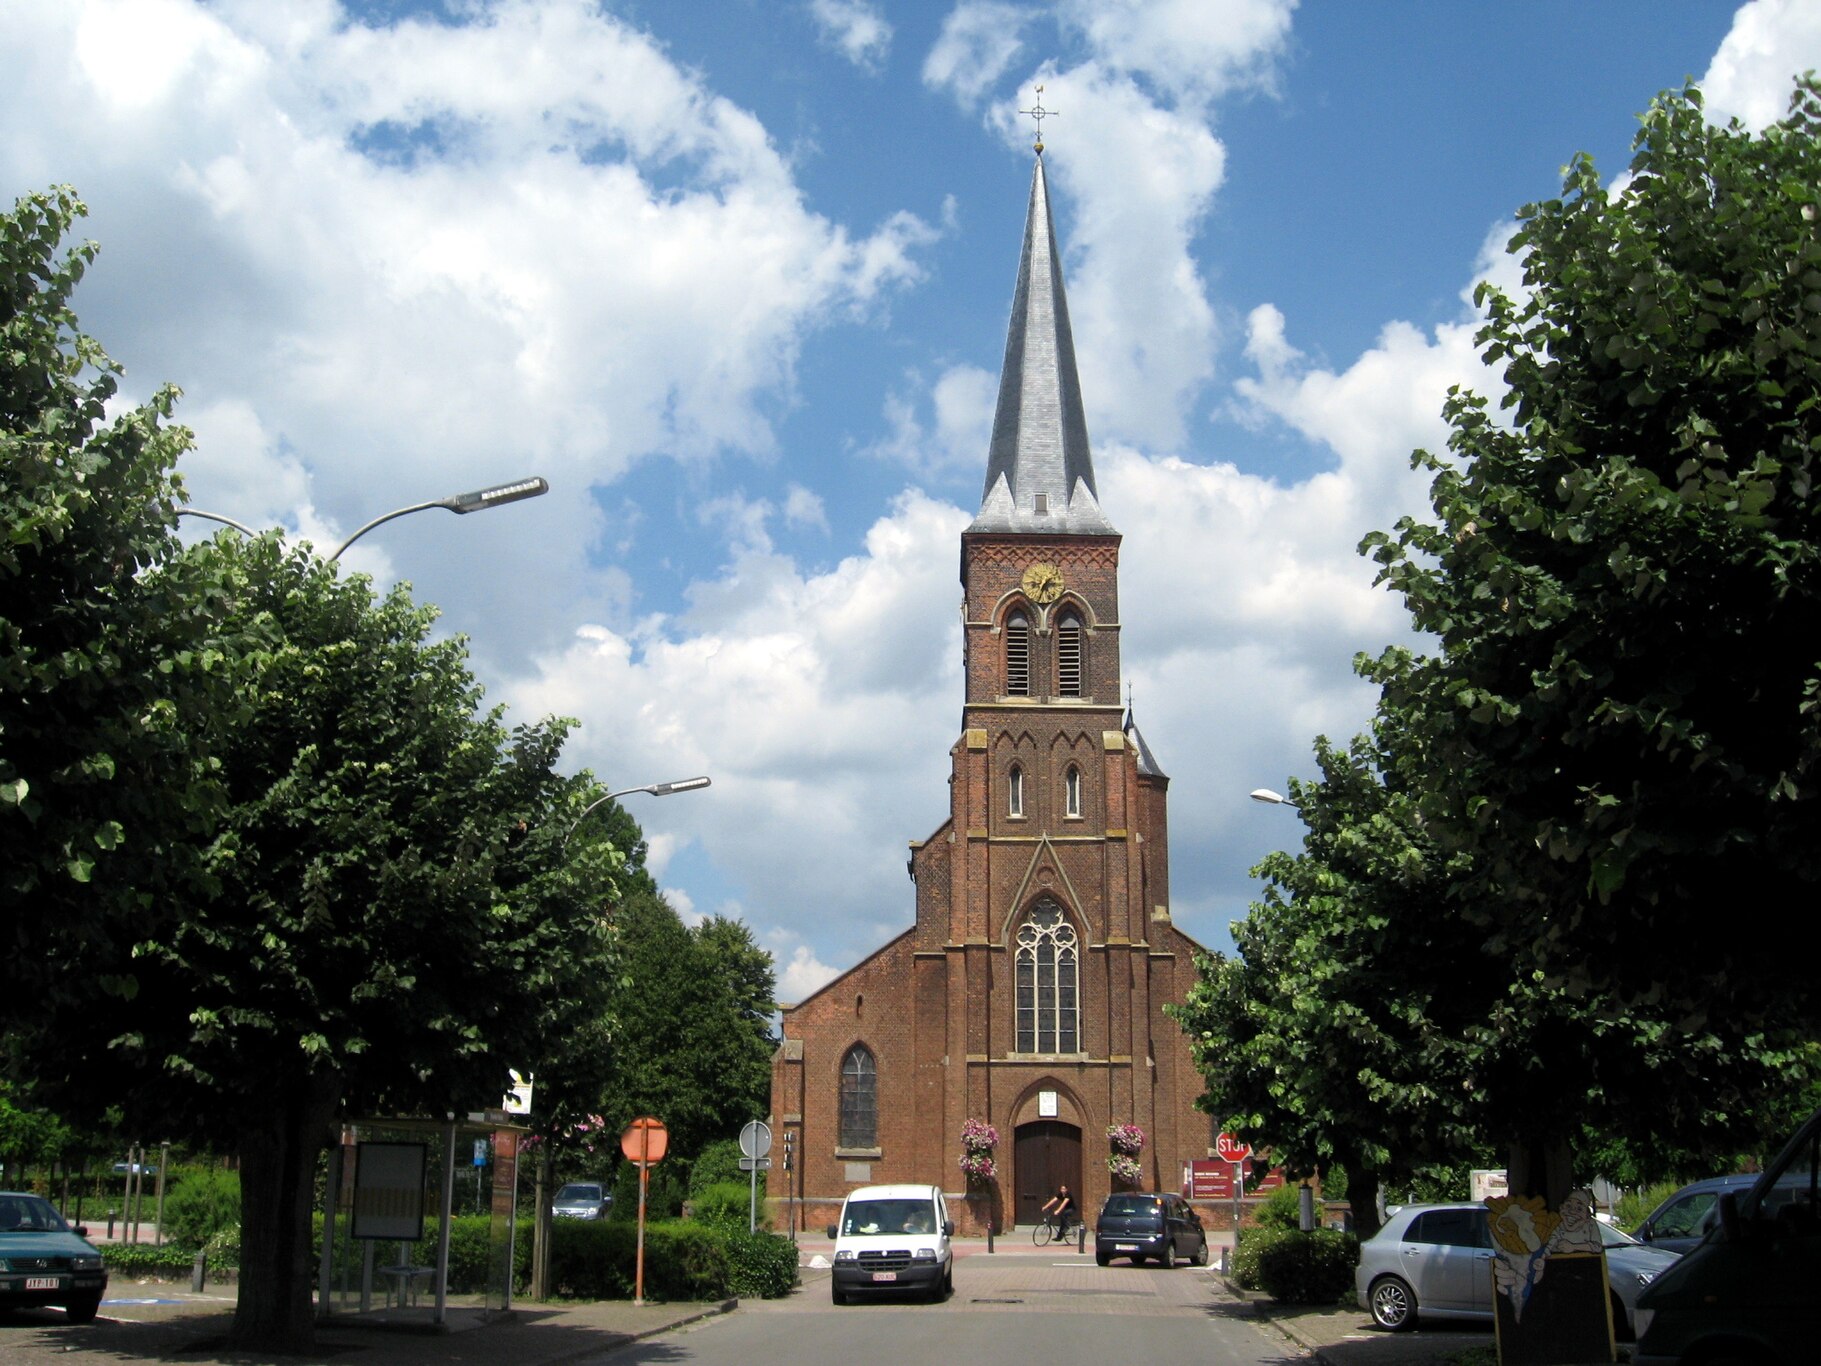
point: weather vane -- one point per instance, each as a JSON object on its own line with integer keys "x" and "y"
{"x": 1038, "y": 112}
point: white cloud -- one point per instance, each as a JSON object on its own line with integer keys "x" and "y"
{"x": 1195, "y": 49}
{"x": 1751, "y": 76}
{"x": 980, "y": 40}
{"x": 854, "y": 28}
{"x": 961, "y": 404}
{"x": 803, "y": 974}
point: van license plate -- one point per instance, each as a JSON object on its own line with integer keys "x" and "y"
{"x": 885, "y": 1275}
{"x": 41, "y": 1283}
{"x": 1125, "y": 1247}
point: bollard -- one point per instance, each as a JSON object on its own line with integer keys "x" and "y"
{"x": 110, "y": 1222}
{"x": 197, "y": 1270}
{"x": 1081, "y": 1237}
{"x": 989, "y": 1235}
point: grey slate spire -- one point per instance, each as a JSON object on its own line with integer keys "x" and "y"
{"x": 1039, "y": 472}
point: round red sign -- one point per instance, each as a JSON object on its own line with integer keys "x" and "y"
{"x": 645, "y": 1141}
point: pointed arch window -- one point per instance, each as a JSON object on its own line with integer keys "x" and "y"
{"x": 1014, "y": 794}
{"x": 1017, "y": 655}
{"x": 1068, "y": 656}
{"x": 859, "y": 1099}
{"x": 1049, "y": 1007}
{"x": 1071, "y": 792}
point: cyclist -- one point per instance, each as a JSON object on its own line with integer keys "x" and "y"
{"x": 1062, "y": 1204}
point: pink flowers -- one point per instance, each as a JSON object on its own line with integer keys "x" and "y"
{"x": 977, "y": 1143}
{"x": 1126, "y": 1138}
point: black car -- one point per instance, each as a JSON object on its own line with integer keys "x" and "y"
{"x": 44, "y": 1261}
{"x": 1164, "y": 1228}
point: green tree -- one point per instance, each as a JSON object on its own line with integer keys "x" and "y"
{"x": 107, "y": 669}
{"x": 690, "y": 1046}
{"x": 1618, "y": 724}
{"x": 398, "y": 917}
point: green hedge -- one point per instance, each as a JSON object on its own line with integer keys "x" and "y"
{"x": 684, "y": 1260}
{"x": 170, "y": 1262}
{"x": 1294, "y": 1267}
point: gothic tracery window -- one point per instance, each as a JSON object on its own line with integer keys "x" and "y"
{"x": 1014, "y": 802}
{"x": 859, "y": 1099}
{"x": 1071, "y": 788}
{"x": 1049, "y": 1008}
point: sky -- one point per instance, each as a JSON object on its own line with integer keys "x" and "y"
{"x": 734, "y": 276}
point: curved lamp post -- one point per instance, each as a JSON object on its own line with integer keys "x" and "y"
{"x": 459, "y": 503}
{"x": 655, "y": 789}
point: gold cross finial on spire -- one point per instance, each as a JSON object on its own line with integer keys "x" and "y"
{"x": 1038, "y": 112}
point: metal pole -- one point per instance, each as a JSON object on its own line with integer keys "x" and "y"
{"x": 164, "y": 1155}
{"x": 442, "y": 1240}
{"x": 752, "y": 1201}
{"x": 325, "y": 1267}
{"x": 638, "y": 1283}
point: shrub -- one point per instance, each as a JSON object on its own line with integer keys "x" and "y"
{"x": 726, "y": 1204}
{"x": 760, "y": 1265}
{"x": 1301, "y": 1268}
{"x": 1279, "y": 1209}
{"x": 663, "y": 1195}
{"x": 200, "y": 1204}
{"x": 1635, "y": 1206}
{"x": 716, "y": 1163}
{"x": 140, "y": 1261}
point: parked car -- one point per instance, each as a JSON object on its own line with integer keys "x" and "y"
{"x": 1435, "y": 1261}
{"x": 891, "y": 1240}
{"x": 582, "y": 1200}
{"x": 1164, "y": 1228}
{"x": 1682, "y": 1221}
{"x": 45, "y": 1261}
{"x": 1747, "y": 1291}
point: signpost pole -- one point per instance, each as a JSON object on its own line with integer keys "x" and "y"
{"x": 638, "y": 1285}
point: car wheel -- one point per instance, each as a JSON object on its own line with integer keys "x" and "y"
{"x": 83, "y": 1310}
{"x": 835, "y": 1293}
{"x": 1393, "y": 1304}
{"x": 1102, "y": 1258}
{"x": 1169, "y": 1254}
{"x": 1621, "y": 1321}
{"x": 1202, "y": 1256}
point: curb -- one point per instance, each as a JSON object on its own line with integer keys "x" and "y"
{"x": 595, "y": 1349}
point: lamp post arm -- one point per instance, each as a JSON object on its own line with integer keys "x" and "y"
{"x": 380, "y": 521}
{"x": 655, "y": 789}
{"x": 241, "y": 527}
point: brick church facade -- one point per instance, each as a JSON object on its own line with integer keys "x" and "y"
{"x": 1029, "y": 992}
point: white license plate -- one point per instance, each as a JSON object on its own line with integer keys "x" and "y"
{"x": 1125, "y": 1247}
{"x": 42, "y": 1282}
{"x": 885, "y": 1275}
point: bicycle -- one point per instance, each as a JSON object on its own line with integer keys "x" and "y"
{"x": 1054, "y": 1229}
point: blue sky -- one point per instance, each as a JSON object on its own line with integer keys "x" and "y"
{"x": 734, "y": 277}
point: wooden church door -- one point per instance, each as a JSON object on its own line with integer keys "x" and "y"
{"x": 1047, "y": 1153}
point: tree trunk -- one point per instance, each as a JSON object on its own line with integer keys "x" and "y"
{"x": 279, "y": 1148}
{"x": 1362, "y": 1197}
{"x": 1541, "y": 1163}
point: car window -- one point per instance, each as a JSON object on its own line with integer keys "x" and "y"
{"x": 29, "y": 1214}
{"x": 1615, "y": 1237}
{"x": 888, "y": 1216}
{"x": 1686, "y": 1218}
{"x": 1450, "y": 1228}
{"x": 1130, "y": 1204}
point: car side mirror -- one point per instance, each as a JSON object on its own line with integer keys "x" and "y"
{"x": 948, "y": 1228}
{"x": 1729, "y": 1216}
{"x": 834, "y": 1231}
{"x": 82, "y": 1230}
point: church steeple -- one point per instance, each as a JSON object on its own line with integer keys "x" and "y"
{"x": 1039, "y": 472}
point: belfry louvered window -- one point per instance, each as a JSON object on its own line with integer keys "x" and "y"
{"x": 1068, "y": 657}
{"x": 1049, "y": 1009}
{"x": 859, "y": 1099}
{"x": 1017, "y": 656}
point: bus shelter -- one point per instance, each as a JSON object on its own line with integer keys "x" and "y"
{"x": 394, "y": 1189}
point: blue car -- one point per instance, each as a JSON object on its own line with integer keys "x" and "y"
{"x": 1682, "y": 1221}
{"x": 44, "y": 1261}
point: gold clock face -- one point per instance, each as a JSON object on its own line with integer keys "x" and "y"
{"x": 1043, "y": 582}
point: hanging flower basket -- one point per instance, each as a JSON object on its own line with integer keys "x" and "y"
{"x": 1125, "y": 1138}
{"x": 977, "y": 1143}
{"x": 1125, "y": 1169}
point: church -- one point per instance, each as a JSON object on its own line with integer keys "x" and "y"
{"x": 1026, "y": 1003}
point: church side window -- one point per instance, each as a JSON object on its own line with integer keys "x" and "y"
{"x": 859, "y": 1099}
{"x": 1014, "y": 802}
{"x": 1071, "y": 789}
{"x": 1049, "y": 1013}
{"x": 1017, "y": 656}
{"x": 1068, "y": 656}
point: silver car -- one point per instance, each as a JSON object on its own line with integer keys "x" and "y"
{"x": 582, "y": 1200}
{"x": 1436, "y": 1261}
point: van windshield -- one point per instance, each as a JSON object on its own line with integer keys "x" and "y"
{"x": 887, "y": 1216}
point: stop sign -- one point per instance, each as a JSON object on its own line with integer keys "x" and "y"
{"x": 1230, "y": 1149}
{"x": 645, "y": 1141}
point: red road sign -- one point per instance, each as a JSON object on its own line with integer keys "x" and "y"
{"x": 1230, "y": 1149}
{"x": 645, "y": 1141}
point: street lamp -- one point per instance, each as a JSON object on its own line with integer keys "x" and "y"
{"x": 1270, "y": 798}
{"x": 461, "y": 504}
{"x": 655, "y": 789}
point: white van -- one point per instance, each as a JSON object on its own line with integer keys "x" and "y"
{"x": 894, "y": 1239}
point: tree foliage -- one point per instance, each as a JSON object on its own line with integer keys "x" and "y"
{"x": 693, "y": 1040}
{"x": 107, "y": 671}
{"x": 1610, "y": 740}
